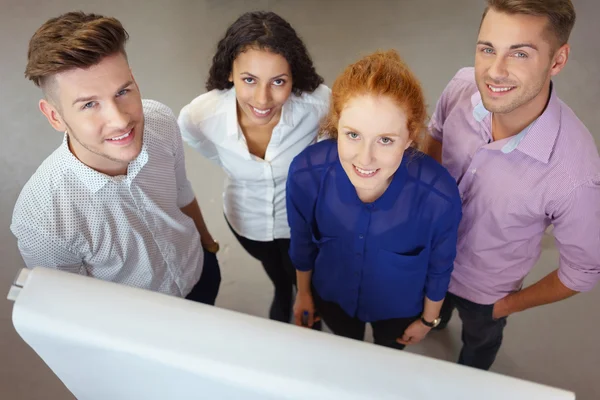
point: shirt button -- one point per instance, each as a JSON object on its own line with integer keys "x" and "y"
{"x": 473, "y": 171}
{"x": 361, "y": 237}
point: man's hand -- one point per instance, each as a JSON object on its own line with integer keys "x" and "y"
{"x": 501, "y": 309}
{"x": 414, "y": 333}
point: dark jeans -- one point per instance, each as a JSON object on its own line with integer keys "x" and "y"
{"x": 481, "y": 333}
{"x": 385, "y": 332}
{"x": 277, "y": 264}
{"x": 206, "y": 289}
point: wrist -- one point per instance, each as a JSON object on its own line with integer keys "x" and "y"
{"x": 430, "y": 323}
{"x": 425, "y": 326}
{"x": 211, "y": 245}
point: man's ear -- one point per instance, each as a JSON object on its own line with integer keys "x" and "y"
{"x": 560, "y": 59}
{"x": 53, "y": 116}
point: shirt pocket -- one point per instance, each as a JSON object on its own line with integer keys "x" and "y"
{"x": 413, "y": 260}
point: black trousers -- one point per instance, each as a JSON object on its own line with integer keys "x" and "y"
{"x": 481, "y": 333}
{"x": 385, "y": 332}
{"x": 276, "y": 262}
{"x": 207, "y": 288}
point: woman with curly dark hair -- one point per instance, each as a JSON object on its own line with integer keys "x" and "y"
{"x": 263, "y": 107}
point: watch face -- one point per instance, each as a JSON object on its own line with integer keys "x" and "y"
{"x": 436, "y": 322}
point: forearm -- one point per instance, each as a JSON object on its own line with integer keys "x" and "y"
{"x": 432, "y": 309}
{"x": 192, "y": 210}
{"x": 304, "y": 279}
{"x": 548, "y": 290}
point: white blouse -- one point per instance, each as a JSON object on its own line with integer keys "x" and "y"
{"x": 254, "y": 194}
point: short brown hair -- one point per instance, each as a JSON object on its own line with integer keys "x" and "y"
{"x": 72, "y": 40}
{"x": 379, "y": 74}
{"x": 560, "y": 13}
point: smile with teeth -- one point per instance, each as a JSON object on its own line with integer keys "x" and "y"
{"x": 261, "y": 112}
{"x": 115, "y": 139}
{"x": 500, "y": 89}
{"x": 366, "y": 172}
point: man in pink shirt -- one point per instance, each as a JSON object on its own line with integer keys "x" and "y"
{"x": 522, "y": 161}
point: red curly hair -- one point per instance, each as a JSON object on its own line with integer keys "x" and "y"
{"x": 379, "y": 74}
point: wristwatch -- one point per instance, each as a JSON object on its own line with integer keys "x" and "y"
{"x": 213, "y": 247}
{"x": 433, "y": 324}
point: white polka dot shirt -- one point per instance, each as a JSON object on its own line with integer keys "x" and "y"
{"x": 127, "y": 229}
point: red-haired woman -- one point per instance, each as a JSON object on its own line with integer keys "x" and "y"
{"x": 373, "y": 220}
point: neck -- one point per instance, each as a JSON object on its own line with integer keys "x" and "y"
{"x": 369, "y": 196}
{"x": 505, "y": 125}
{"x": 96, "y": 162}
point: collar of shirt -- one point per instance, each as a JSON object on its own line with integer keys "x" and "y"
{"x": 348, "y": 193}
{"x": 536, "y": 140}
{"x": 233, "y": 128}
{"x": 95, "y": 180}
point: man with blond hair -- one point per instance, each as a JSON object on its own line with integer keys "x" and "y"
{"x": 523, "y": 161}
{"x": 113, "y": 201}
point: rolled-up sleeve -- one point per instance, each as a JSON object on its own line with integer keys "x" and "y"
{"x": 576, "y": 223}
{"x": 300, "y": 214}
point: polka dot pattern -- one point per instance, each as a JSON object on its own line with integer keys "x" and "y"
{"x": 126, "y": 229}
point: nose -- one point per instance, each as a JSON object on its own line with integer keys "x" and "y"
{"x": 262, "y": 95}
{"x": 365, "y": 155}
{"x": 498, "y": 71}
{"x": 116, "y": 116}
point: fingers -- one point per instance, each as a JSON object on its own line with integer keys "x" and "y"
{"x": 298, "y": 318}
{"x": 406, "y": 339}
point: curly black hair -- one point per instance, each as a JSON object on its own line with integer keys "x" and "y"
{"x": 263, "y": 30}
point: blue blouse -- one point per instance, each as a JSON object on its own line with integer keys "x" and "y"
{"x": 376, "y": 260}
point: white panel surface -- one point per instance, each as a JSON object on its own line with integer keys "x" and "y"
{"x": 107, "y": 341}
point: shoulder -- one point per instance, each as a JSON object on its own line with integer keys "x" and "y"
{"x": 206, "y": 106}
{"x": 427, "y": 172}
{"x": 49, "y": 184}
{"x": 318, "y": 99}
{"x": 154, "y": 110}
{"x": 461, "y": 85}
{"x": 575, "y": 151}
{"x": 318, "y": 155}
{"x": 160, "y": 125}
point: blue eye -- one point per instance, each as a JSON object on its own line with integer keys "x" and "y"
{"x": 249, "y": 80}
{"x": 352, "y": 135}
{"x": 278, "y": 82}
{"x": 521, "y": 55}
{"x": 123, "y": 92}
{"x": 487, "y": 50}
{"x": 89, "y": 104}
{"x": 386, "y": 140}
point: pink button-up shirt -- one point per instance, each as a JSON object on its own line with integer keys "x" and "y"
{"x": 513, "y": 189}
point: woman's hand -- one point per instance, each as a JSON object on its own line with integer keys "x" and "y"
{"x": 304, "y": 310}
{"x": 414, "y": 333}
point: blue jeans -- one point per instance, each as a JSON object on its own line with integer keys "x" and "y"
{"x": 481, "y": 333}
{"x": 207, "y": 288}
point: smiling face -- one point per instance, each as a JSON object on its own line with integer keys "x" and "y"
{"x": 372, "y": 138}
{"x": 263, "y": 83}
{"x": 101, "y": 110}
{"x": 515, "y": 61}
